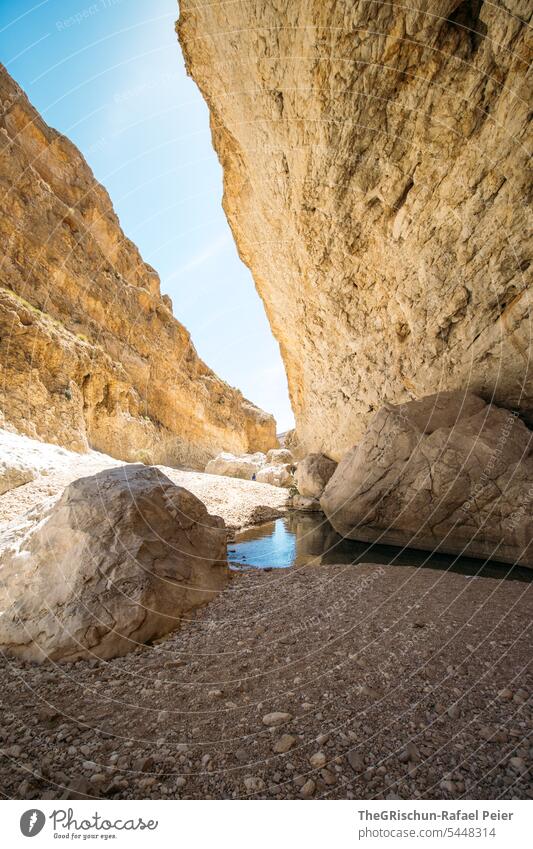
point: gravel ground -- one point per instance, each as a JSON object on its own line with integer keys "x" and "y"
{"x": 325, "y": 681}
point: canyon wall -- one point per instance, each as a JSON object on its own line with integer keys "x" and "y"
{"x": 91, "y": 355}
{"x": 376, "y": 182}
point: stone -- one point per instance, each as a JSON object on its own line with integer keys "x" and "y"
{"x": 291, "y": 442}
{"x": 117, "y": 561}
{"x": 318, "y": 760}
{"x": 327, "y": 777}
{"x": 313, "y": 474}
{"x": 505, "y": 695}
{"x": 91, "y": 352}
{"x": 276, "y": 476}
{"x": 13, "y": 474}
{"x": 271, "y": 720}
{"x": 356, "y": 761}
{"x": 145, "y": 764}
{"x": 518, "y": 764}
{"x": 254, "y": 784}
{"x": 279, "y": 457}
{"x": 448, "y": 472}
{"x": 303, "y": 504}
{"x": 244, "y": 467}
{"x": 285, "y": 742}
{"x": 372, "y": 207}
{"x": 308, "y": 789}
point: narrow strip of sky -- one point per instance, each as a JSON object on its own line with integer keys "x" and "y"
{"x": 110, "y": 75}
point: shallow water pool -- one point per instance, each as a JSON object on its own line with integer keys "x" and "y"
{"x": 299, "y": 539}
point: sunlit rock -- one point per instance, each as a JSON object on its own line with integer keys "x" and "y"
{"x": 118, "y": 560}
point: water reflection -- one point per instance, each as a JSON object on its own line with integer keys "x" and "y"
{"x": 299, "y": 539}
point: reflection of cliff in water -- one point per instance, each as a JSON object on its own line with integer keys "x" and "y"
{"x": 299, "y": 539}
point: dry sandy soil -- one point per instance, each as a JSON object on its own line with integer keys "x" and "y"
{"x": 240, "y": 503}
{"x": 387, "y": 682}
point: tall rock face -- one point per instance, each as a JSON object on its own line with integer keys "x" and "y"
{"x": 375, "y": 177}
{"x": 91, "y": 354}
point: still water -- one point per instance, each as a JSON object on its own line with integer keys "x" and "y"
{"x": 299, "y": 539}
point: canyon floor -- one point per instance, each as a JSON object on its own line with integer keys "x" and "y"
{"x": 239, "y": 502}
{"x": 359, "y": 681}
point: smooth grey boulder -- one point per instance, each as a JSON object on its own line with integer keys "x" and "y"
{"x": 313, "y": 474}
{"x": 448, "y": 472}
{"x": 118, "y": 560}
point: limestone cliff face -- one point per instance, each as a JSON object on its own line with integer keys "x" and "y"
{"x": 91, "y": 354}
{"x": 376, "y": 183}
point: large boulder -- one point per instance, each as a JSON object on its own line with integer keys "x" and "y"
{"x": 231, "y": 466}
{"x": 14, "y": 473}
{"x": 291, "y": 442}
{"x": 23, "y": 460}
{"x": 304, "y": 504}
{"x": 448, "y": 472}
{"x": 279, "y": 457}
{"x": 313, "y": 474}
{"x": 276, "y": 475}
{"x": 117, "y": 561}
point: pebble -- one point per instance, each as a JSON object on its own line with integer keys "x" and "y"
{"x": 145, "y": 764}
{"x": 518, "y": 764}
{"x": 276, "y": 718}
{"x": 254, "y": 784}
{"x": 285, "y": 742}
{"x": 308, "y": 789}
{"x": 356, "y": 761}
{"x": 520, "y": 697}
{"x": 505, "y": 695}
{"x": 327, "y": 777}
{"x": 318, "y": 760}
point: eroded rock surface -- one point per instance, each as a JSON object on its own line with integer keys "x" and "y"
{"x": 449, "y": 472}
{"x": 376, "y": 181}
{"x": 91, "y": 354}
{"x": 279, "y": 457}
{"x": 313, "y": 474}
{"x": 276, "y": 475}
{"x": 118, "y": 560}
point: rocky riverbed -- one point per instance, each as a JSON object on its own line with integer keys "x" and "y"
{"x": 324, "y": 682}
{"x": 317, "y": 681}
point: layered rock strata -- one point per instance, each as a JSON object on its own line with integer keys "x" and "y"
{"x": 91, "y": 355}
{"x": 375, "y": 178}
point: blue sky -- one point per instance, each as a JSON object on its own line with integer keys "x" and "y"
{"x": 110, "y": 75}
